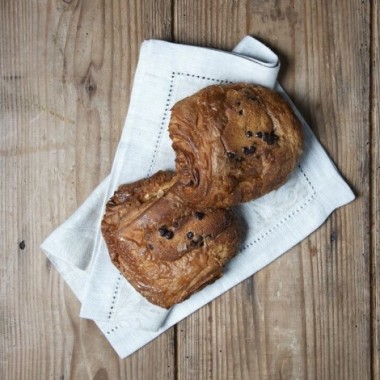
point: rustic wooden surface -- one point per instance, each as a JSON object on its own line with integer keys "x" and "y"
{"x": 66, "y": 69}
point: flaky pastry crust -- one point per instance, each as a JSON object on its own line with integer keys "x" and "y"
{"x": 165, "y": 249}
{"x": 233, "y": 143}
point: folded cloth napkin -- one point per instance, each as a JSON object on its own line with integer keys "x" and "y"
{"x": 167, "y": 72}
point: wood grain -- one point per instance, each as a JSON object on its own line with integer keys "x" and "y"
{"x": 338, "y": 91}
{"x": 375, "y": 189}
{"x": 217, "y": 24}
{"x": 66, "y": 72}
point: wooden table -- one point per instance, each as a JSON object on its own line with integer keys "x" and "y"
{"x": 66, "y": 70}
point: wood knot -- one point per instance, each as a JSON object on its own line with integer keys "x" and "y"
{"x": 90, "y": 86}
{"x": 67, "y": 5}
{"x": 101, "y": 374}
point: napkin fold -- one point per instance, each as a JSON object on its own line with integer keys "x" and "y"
{"x": 166, "y": 73}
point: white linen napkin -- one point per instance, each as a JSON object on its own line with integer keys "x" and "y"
{"x": 167, "y": 72}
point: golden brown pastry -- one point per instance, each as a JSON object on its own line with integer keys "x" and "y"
{"x": 165, "y": 249}
{"x": 233, "y": 143}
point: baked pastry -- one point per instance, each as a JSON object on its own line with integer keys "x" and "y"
{"x": 233, "y": 143}
{"x": 172, "y": 234}
{"x": 166, "y": 250}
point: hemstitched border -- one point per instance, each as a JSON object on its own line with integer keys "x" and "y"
{"x": 114, "y": 295}
{"x": 287, "y": 217}
{"x": 108, "y": 332}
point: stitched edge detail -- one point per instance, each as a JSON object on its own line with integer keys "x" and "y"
{"x": 163, "y": 120}
{"x": 201, "y": 77}
{"x": 112, "y": 330}
{"x": 287, "y": 217}
{"x": 114, "y": 295}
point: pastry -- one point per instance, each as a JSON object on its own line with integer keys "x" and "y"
{"x": 233, "y": 143}
{"x": 172, "y": 234}
{"x": 165, "y": 249}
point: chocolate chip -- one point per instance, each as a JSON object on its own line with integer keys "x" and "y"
{"x": 193, "y": 243}
{"x": 231, "y": 155}
{"x": 270, "y": 138}
{"x": 190, "y": 235}
{"x": 241, "y": 112}
{"x": 162, "y": 230}
{"x": 199, "y": 215}
{"x": 249, "y": 133}
{"x": 249, "y": 150}
{"x": 169, "y": 234}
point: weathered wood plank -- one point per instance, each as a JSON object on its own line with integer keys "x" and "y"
{"x": 66, "y": 70}
{"x": 338, "y": 86}
{"x": 307, "y": 315}
{"x": 375, "y": 189}
{"x": 217, "y": 24}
